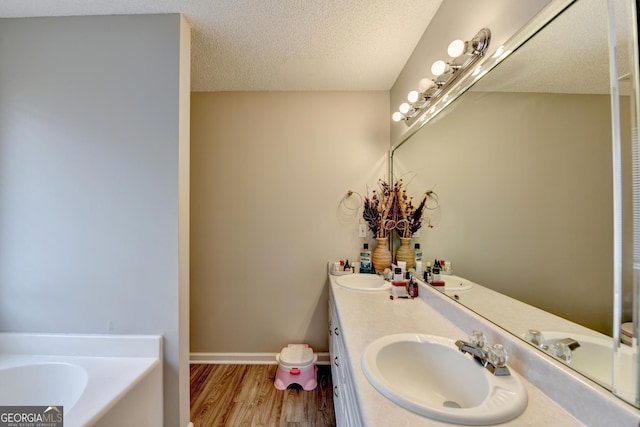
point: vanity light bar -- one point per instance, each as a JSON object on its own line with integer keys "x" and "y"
{"x": 464, "y": 54}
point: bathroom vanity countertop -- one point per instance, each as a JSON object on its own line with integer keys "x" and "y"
{"x": 365, "y": 316}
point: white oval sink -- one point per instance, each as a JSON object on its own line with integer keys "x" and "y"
{"x": 455, "y": 283}
{"x": 363, "y": 282}
{"x": 431, "y": 377}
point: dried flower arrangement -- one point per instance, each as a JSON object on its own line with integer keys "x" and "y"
{"x": 391, "y": 208}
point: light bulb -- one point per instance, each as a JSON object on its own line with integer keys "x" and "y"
{"x": 404, "y": 108}
{"x": 397, "y": 116}
{"x": 456, "y": 48}
{"x": 413, "y": 96}
{"x": 439, "y": 68}
{"x": 425, "y": 84}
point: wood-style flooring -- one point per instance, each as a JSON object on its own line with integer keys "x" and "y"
{"x": 244, "y": 395}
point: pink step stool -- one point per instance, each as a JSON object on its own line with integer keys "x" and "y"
{"x": 296, "y": 365}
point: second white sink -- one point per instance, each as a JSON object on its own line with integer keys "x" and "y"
{"x": 455, "y": 283}
{"x": 428, "y": 375}
{"x": 363, "y": 282}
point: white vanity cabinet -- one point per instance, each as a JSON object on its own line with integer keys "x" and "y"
{"x": 345, "y": 402}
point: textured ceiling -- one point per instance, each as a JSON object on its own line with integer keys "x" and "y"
{"x": 262, "y": 45}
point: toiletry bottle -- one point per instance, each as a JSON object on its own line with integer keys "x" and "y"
{"x": 397, "y": 274}
{"x": 413, "y": 287}
{"x": 407, "y": 279}
{"x": 398, "y": 284}
{"x": 335, "y": 267}
{"x": 365, "y": 260}
{"x": 403, "y": 266}
{"x": 427, "y": 273}
{"x": 418, "y": 252}
{"x": 398, "y": 288}
{"x": 347, "y": 267}
{"x": 435, "y": 273}
{"x": 417, "y": 265}
{"x": 418, "y": 268}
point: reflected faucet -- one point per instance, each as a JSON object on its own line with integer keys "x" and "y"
{"x": 493, "y": 358}
{"x": 562, "y": 348}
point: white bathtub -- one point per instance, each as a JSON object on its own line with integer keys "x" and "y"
{"x": 99, "y": 380}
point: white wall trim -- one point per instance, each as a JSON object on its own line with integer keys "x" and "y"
{"x": 246, "y": 358}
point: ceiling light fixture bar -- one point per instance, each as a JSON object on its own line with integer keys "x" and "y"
{"x": 463, "y": 55}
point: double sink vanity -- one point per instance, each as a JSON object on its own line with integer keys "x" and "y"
{"x": 540, "y": 213}
{"x": 396, "y": 362}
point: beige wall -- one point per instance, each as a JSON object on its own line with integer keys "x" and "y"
{"x": 184, "y": 182}
{"x": 269, "y": 171}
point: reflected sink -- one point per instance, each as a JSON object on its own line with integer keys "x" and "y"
{"x": 455, "y": 283}
{"x": 428, "y": 375}
{"x": 594, "y": 358}
{"x": 363, "y": 282}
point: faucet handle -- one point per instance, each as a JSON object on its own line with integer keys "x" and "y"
{"x": 535, "y": 337}
{"x": 562, "y": 351}
{"x": 494, "y": 358}
{"x": 497, "y": 355}
{"x": 478, "y": 339}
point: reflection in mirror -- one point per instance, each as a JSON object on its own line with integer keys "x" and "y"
{"x": 522, "y": 164}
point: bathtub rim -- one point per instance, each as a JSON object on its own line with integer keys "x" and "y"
{"x": 135, "y": 358}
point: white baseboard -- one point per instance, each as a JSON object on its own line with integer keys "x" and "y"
{"x": 246, "y": 358}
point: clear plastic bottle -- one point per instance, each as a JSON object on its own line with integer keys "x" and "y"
{"x": 418, "y": 252}
{"x": 417, "y": 265}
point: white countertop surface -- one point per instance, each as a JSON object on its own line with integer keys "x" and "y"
{"x": 514, "y": 315}
{"x": 365, "y": 316}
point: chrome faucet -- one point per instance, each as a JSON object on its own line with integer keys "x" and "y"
{"x": 493, "y": 358}
{"x": 477, "y": 353}
{"x": 562, "y": 348}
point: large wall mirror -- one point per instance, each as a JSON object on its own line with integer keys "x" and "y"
{"x": 532, "y": 210}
